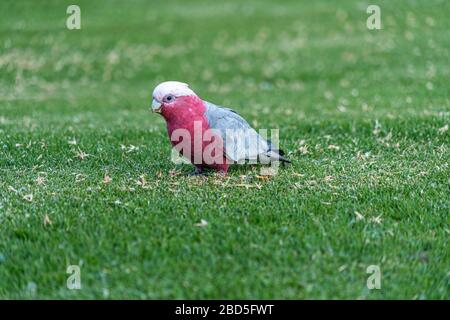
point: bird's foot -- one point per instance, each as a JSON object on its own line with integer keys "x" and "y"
{"x": 221, "y": 173}
{"x": 197, "y": 172}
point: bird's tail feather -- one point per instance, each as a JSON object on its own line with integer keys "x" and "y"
{"x": 277, "y": 154}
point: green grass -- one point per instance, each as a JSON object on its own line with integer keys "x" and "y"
{"x": 310, "y": 68}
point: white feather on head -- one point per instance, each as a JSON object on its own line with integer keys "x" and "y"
{"x": 175, "y": 88}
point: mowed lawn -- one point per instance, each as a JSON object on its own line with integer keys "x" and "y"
{"x": 86, "y": 177}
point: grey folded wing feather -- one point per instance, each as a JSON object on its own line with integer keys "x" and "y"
{"x": 241, "y": 142}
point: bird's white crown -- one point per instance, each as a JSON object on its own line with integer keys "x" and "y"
{"x": 175, "y": 88}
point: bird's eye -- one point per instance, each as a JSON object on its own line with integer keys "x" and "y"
{"x": 169, "y": 98}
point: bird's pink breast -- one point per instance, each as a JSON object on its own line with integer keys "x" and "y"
{"x": 188, "y": 115}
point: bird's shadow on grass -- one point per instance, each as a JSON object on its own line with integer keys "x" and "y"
{"x": 243, "y": 169}
{"x": 234, "y": 170}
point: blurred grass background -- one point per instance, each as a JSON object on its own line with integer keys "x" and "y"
{"x": 363, "y": 114}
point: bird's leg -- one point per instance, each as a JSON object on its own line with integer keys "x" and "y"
{"x": 197, "y": 172}
{"x": 221, "y": 173}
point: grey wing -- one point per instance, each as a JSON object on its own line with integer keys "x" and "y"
{"x": 241, "y": 141}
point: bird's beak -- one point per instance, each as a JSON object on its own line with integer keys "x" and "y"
{"x": 156, "y": 106}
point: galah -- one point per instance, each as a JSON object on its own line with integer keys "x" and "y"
{"x": 229, "y": 138}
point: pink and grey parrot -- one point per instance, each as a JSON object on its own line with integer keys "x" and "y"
{"x": 235, "y": 141}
